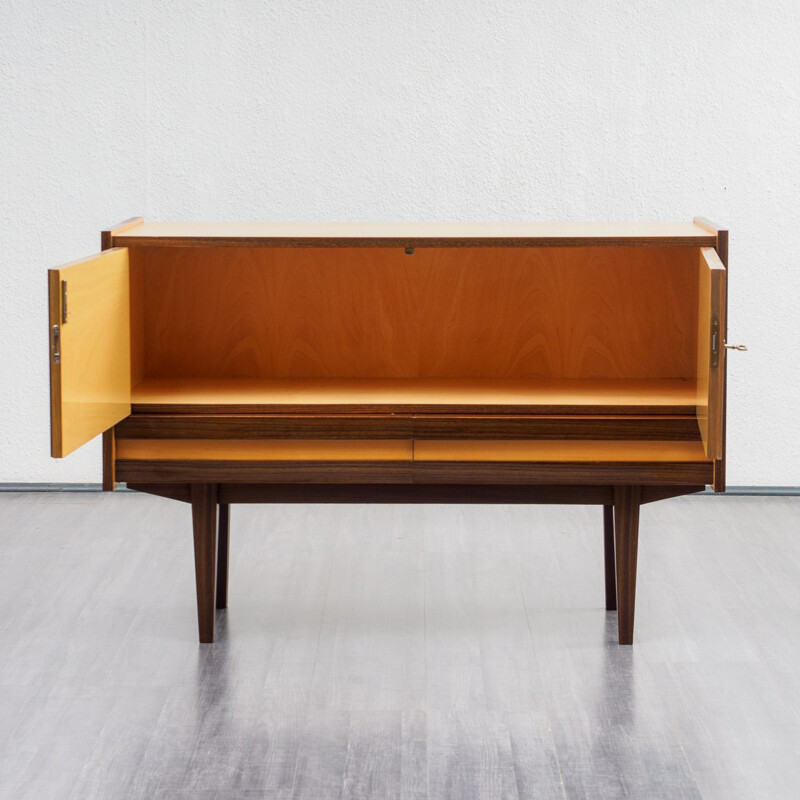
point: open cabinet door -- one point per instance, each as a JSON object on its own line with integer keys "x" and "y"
{"x": 90, "y": 354}
{"x": 711, "y": 350}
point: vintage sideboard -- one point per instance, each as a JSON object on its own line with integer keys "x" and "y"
{"x": 397, "y": 363}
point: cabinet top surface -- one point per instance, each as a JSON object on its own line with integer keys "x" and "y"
{"x": 377, "y": 234}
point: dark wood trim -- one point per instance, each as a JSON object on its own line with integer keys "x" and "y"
{"x": 409, "y": 409}
{"x": 413, "y": 493}
{"x": 719, "y": 466}
{"x": 107, "y": 238}
{"x": 434, "y": 426}
{"x": 266, "y": 472}
{"x": 603, "y": 427}
{"x": 109, "y": 446}
{"x": 223, "y": 548}
{"x": 626, "y": 535}
{"x": 264, "y": 426}
{"x": 54, "y": 318}
{"x": 609, "y": 562}
{"x": 693, "y": 240}
{"x": 204, "y": 524}
{"x": 109, "y": 460}
{"x": 721, "y": 245}
{"x": 474, "y": 472}
{"x": 613, "y": 473}
{"x": 172, "y": 491}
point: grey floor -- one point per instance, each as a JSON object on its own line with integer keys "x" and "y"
{"x": 398, "y": 652}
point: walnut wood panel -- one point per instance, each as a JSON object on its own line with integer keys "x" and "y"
{"x": 393, "y": 426}
{"x": 402, "y": 234}
{"x": 485, "y": 426}
{"x": 277, "y": 426}
{"x": 523, "y": 473}
{"x": 722, "y": 252}
{"x": 222, "y": 450}
{"x": 412, "y": 493}
{"x": 90, "y": 379}
{"x": 288, "y": 472}
{"x": 586, "y": 312}
{"x": 719, "y": 465}
{"x": 710, "y": 375}
{"x": 590, "y": 473}
{"x": 137, "y": 316}
{"x": 109, "y": 454}
{"x": 415, "y": 395}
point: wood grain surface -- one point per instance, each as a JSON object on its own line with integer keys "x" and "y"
{"x": 574, "y": 451}
{"x": 396, "y": 461}
{"x": 91, "y": 385}
{"x": 405, "y": 426}
{"x": 415, "y": 395}
{"x": 710, "y": 377}
{"x": 588, "y": 312}
{"x": 402, "y": 234}
{"x": 264, "y": 450}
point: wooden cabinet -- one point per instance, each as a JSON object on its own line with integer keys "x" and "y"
{"x": 524, "y": 363}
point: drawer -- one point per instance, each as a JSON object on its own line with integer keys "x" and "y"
{"x": 264, "y": 460}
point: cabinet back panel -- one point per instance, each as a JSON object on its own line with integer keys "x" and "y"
{"x": 583, "y": 312}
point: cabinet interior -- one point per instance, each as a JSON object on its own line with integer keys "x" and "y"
{"x": 608, "y": 327}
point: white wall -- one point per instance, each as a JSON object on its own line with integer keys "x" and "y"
{"x": 450, "y": 110}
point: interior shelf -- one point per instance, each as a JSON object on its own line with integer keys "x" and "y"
{"x": 415, "y": 395}
{"x": 520, "y": 451}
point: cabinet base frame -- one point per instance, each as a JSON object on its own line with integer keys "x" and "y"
{"x": 211, "y": 502}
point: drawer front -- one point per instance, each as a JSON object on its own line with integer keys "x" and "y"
{"x": 418, "y": 426}
{"x": 262, "y": 426}
{"x": 264, "y": 460}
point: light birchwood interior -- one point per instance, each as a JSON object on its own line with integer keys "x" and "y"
{"x": 622, "y": 394}
{"x": 612, "y": 322}
{"x": 711, "y": 306}
{"x": 405, "y": 450}
{"x": 264, "y": 450}
{"x": 534, "y": 450}
{"x": 90, "y": 381}
{"x": 389, "y": 234}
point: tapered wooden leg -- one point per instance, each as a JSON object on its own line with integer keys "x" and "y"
{"x": 222, "y": 555}
{"x": 204, "y": 523}
{"x": 626, "y": 533}
{"x": 608, "y": 558}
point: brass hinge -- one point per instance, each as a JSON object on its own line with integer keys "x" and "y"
{"x": 55, "y": 332}
{"x": 715, "y": 342}
{"x": 64, "y": 311}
